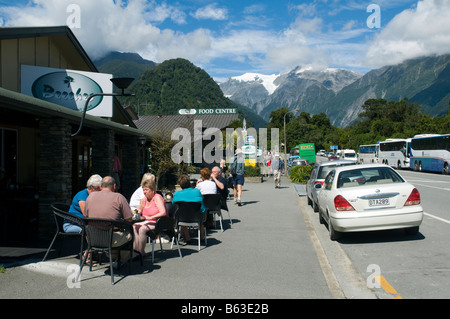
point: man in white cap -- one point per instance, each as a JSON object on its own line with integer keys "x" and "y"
{"x": 237, "y": 170}
{"x": 278, "y": 166}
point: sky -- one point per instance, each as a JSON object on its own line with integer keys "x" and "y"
{"x": 230, "y": 38}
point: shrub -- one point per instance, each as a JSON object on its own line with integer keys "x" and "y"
{"x": 297, "y": 174}
{"x": 252, "y": 171}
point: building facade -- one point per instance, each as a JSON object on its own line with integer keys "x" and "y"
{"x": 41, "y": 162}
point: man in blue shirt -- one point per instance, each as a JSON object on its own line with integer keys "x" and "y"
{"x": 79, "y": 200}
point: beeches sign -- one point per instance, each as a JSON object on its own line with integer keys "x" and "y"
{"x": 69, "y": 88}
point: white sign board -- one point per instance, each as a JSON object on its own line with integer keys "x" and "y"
{"x": 206, "y": 111}
{"x": 69, "y": 88}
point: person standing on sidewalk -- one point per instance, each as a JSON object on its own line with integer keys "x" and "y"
{"x": 237, "y": 170}
{"x": 278, "y": 166}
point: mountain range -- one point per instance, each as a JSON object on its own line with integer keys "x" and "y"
{"x": 165, "y": 88}
{"x": 338, "y": 93}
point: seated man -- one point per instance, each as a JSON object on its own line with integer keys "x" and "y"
{"x": 107, "y": 204}
{"x": 221, "y": 182}
{"x": 188, "y": 194}
{"x": 79, "y": 200}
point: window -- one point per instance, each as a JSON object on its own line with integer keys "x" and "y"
{"x": 329, "y": 180}
{"x": 8, "y": 154}
{"x": 368, "y": 176}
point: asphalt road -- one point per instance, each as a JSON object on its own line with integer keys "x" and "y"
{"x": 411, "y": 267}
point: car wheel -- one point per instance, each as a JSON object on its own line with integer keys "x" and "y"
{"x": 412, "y": 230}
{"x": 321, "y": 219}
{"x": 445, "y": 169}
{"x": 420, "y": 166}
{"x": 334, "y": 235}
{"x": 309, "y": 201}
{"x": 315, "y": 206}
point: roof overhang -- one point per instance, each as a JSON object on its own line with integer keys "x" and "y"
{"x": 30, "y": 105}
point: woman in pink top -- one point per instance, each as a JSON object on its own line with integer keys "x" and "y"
{"x": 152, "y": 207}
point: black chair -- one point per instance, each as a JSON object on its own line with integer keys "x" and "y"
{"x": 213, "y": 204}
{"x": 224, "y": 206}
{"x": 171, "y": 209}
{"x": 61, "y": 213}
{"x": 164, "y": 226}
{"x": 189, "y": 214}
{"x": 99, "y": 236}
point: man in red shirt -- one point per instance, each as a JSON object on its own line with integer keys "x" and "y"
{"x": 108, "y": 204}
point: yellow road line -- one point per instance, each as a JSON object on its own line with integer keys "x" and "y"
{"x": 387, "y": 287}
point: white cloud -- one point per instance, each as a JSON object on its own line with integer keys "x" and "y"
{"x": 123, "y": 26}
{"x": 417, "y": 32}
{"x": 212, "y": 12}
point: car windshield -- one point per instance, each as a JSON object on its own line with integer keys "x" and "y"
{"x": 350, "y": 155}
{"x": 324, "y": 170}
{"x": 368, "y": 176}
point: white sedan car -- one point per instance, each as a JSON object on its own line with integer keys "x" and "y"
{"x": 368, "y": 197}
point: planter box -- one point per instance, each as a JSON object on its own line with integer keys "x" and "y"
{"x": 255, "y": 179}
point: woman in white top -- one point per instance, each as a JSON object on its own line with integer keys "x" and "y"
{"x": 205, "y": 184}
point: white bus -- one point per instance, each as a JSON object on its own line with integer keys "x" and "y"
{"x": 368, "y": 154}
{"x": 430, "y": 153}
{"x": 394, "y": 152}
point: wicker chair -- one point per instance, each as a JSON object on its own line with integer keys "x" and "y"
{"x": 99, "y": 235}
{"x": 61, "y": 213}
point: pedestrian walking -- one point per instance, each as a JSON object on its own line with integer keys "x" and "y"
{"x": 237, "y": 170}
{"x": 278, "y": 166}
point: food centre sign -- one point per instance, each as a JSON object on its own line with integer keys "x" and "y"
{"x": 206, "y": 111}
{"x": 69, "y": 88}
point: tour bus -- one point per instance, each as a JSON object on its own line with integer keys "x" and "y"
{"x": 394, "y": 152}
{"x": 430, "y": 153}
{"x": 306, "y": 151}
{"x": 368, "y": 154}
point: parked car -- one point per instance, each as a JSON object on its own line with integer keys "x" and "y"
{"x": 368, "y": 197}
{"x": 299, "y": 161}
{"x": 291, "y": 159}
{"x": 319, "y": 171}
{"x": 349, "y": 155}
{"x": 333, "y": 157}
{"x": 321, "y": 153}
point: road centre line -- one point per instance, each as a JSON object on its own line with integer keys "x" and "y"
{"x": 438, "y": 218}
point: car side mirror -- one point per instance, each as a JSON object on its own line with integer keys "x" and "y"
{"x": 318, "y": 186}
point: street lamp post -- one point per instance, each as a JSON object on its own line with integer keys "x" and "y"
{"x": 121, "y": 83}
{"x": 285, "y": 140}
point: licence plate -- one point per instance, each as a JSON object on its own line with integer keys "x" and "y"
{"x": 378, "y": 202}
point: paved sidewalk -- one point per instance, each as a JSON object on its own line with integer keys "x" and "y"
{"x": 266, "y": 253}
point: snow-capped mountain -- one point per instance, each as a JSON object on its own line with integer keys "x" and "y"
{"x": 302, "y": 88}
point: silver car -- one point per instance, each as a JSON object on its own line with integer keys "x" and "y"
{"x": 318, "y": 174}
